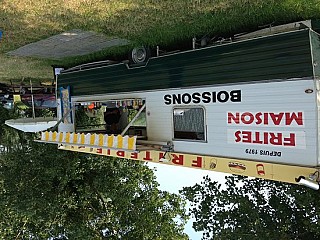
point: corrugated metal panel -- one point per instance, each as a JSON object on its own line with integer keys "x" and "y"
{"x": 282, "y": 56}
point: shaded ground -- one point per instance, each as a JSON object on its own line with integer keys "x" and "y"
{"x": 68, "y": 44}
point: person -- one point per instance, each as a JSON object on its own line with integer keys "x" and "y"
{"x": 111, "y": 118}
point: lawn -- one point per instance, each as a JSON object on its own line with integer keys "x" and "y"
{"x": 168, "y": 23}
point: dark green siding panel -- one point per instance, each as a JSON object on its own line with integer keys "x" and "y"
{"x": 315, "y": 44}
{"x": 282, "y": 56}
{"x": 315, "y": 25}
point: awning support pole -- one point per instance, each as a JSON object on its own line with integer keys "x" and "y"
{"x": 60, "y": 120}
{"x": 132, "y": 121}
{"x": 32, "y": 101}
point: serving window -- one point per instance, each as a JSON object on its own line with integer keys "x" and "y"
{"x": 120, "y": 116}
{"x": 189, "y": 123}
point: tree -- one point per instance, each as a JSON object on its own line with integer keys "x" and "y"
{"x": 47, "y": 192}
{"x": 254, "y": 209}
{"x": 9, "y": 138}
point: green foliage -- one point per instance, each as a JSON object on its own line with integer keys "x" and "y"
{"x": 254, "y": 209}
{"x": 46, "y": 192}
{"x": 4, "y": 115}
{"x": 82, "y": 118}
{"x": 8, "y": 137}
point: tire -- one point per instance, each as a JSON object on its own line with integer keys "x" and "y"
{"x": 139, "y": 55}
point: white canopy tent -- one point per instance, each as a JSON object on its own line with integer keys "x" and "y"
{"x": 32, "y": 124}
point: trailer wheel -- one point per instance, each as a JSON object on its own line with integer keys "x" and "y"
{"x": 139, "y": 55}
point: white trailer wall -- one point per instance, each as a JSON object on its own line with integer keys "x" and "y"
{"x": 272, "y": 121}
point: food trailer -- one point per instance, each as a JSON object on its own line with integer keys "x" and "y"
{"x": 247, "y": 106}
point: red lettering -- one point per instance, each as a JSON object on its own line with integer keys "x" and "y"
{"x": 177, "y": 159}
{"x": 247, "y": 118}
{"x": 246, "y": 136}
{"x": 275, "y": 138}
{"x": 290, "y": 141}
{"x": 161, "y": 155}
{"x": 265, "y": 138}
{"x": 120, "y": 153}
{"x": 257, "y": 138}
{"x": 258, "y": 117}
{"x": 237, "y": 135}
{"x": 231, "y": 118}
{"x": 134, "y": 155}
{"x": 147, "y": 156}
{"x": 265, "y": 118}
{"x": 272, "y": 138}
{"x": 276, "y": 118}
{"x": 197, "y": 162}
{"x": 99, "y": 150}
{"x": 108, "y": 152}
{"x": 294, "y": 117}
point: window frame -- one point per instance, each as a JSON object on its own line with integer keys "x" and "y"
{"x": 204, "y": 124}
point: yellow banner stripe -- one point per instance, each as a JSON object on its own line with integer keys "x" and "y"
{"x": 131, "y": 143}
{"x": 60, "y": 136}
{"x": 92, "y": 138}
{"x": 75, "y": 138}
{"x": 47, "y": 136}
{"x": 68, "y": 137}
{"x": 110, "y": 141}
{"x": 100, "y": 139}
{"x": 54, "y": 136}
{"x": 82, "y": 138}
{"x": 120, "y": 141}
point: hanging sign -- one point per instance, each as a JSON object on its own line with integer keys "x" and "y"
{"x": 66, "y": 105}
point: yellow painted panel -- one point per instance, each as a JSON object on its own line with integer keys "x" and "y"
{"x": 47, "y": 136}
{"x": 92, "y": 139}
{"x": 131, "y": 144}
{"x": 270, "y": 171}
{"x": 110, "y": 141}
{"x": 54, "y": 136}
{"x": 101, "y": 139}
{"x": 60, "y": 136}
{"x": 75, "y": 138}
{"x": 68, "y": 137}
{"x": 82, "y": 138}
{"x": 120, "y": 141}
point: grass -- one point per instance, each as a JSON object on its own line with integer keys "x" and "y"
{"x": 17, "y": 69}
{"x": 167, "y": 23}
